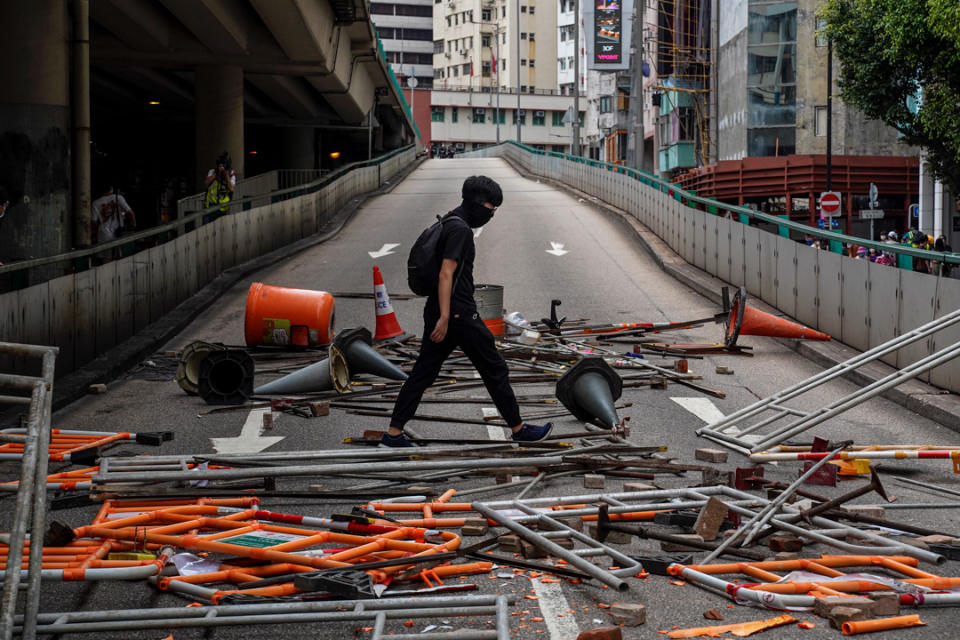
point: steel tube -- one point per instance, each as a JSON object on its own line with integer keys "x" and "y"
{"x": 837, "y": 370}
{"x": 553, "y": 548}
{"x": 25, "y": 494}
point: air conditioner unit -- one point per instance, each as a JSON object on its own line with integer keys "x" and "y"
{"x": 538, "y": 114}
{"x": 463, "y": 52}
{"x": 479, "y": 111}
{"x": 447, "y": 53}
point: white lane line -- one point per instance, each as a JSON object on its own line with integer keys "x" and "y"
{"x": 552, "y": 603}
{"x": 550, "y": 596}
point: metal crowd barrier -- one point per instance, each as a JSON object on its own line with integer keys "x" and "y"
{"x": 31, "y": 495}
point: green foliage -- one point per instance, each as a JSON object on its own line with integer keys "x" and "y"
{"x": 893, "y": 52}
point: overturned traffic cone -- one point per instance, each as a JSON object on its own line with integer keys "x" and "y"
{"x": 588, "y": 391}
{"x": 357, "y": 346}
{"x": 330, "y": 373}
{"x": 387, "y": 325}
{"x": 747, "y": 321}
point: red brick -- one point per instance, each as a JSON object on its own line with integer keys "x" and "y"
{"x": 711, "y": 455}
{"x": 785, "y": 543}
{"x": 601, "y": 633}
{"x": 710, "y": 518}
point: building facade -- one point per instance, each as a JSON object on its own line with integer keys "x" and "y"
{"x": 405, "y": 27}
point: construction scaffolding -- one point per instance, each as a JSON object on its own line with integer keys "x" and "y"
{"x": 683, "y": 50}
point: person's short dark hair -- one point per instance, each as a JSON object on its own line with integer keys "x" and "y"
{"x": 480, "y": 189}
{"x": 224, "y": 159}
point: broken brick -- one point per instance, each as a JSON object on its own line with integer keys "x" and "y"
{"x": 713, "y": 614}
{"x": 509, "y": 543}
{"x": 594, "y": 481}
{"x": 318, "y": 409}
{"x": 784, "y": 543}
{"x": 823, "y": 606}
{"x": 839, "y": 615}
{"x": 631, "y": 614}
{"x": 711, "y": 455}
{"x": 531, "y": 551}
{"x": 870, "y": 512}
{"x": 886, "y": 603}
{"x": 601, "y": 633}
{"x": 710, "y": 518}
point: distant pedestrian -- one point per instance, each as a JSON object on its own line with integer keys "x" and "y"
{"x": 111, "y": 216}
{"x": 220, "y": 182}
{"x": 942, "y": 246}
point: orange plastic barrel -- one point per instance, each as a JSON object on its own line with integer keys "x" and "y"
{"x": 489, "y": 298}
{"x": 285, "y": 316}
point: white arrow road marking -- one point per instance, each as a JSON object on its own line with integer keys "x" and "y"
{"x": 703, "y": 408}
{"x": 477, "y": 232}
{"x": 557, "y": 250}
{"x": 385, "y": 250}
{"x": 249, "y": 440}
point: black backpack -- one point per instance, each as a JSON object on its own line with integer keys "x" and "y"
{"x": 423, "y": 263}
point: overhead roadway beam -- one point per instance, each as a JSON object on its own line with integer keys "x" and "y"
{"x": 219, "y": 24}
{"x": 295, "y": 98}
{"x": 139, "y": 24}
{"x": 307, "y": 28}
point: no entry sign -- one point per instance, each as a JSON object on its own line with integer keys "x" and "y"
{"x": 829, "y": 204}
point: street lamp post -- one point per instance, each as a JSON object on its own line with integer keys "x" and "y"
{"x": 576, "y": 78}
{"x": 518, "y": 69}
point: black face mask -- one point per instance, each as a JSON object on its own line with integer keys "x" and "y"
{"x": 476, "y": 215}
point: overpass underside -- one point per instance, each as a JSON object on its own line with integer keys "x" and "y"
{"x": 145, "y": 94}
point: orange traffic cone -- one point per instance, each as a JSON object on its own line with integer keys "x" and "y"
{"x": 387, "y": 325}
{"x": 744, "y": 320}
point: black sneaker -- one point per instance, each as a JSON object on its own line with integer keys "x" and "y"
{"x": 395, "y": 441}
{"x": 532, "y": 432}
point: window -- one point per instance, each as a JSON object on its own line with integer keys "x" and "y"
{"x": 466, "y": 69}
{"x": 385, "y": 33}
{"x": 539, "y": 118}
{"x": 436, "y": 114}
{"x": 503, "y": 37}
{"x": 503, "y": 116}
{"x": 454, "y": 113}
{"x": 532, "y": 10}
{"x": 523, "y": 88}
{"x": 523, "y": 62}
{"x": 438, "y": 46}
{"x": 563, "y": 35}
{"x": 417, "y": 34}
{"x": 456, "y": 71}
{"x": 821, "y": 32}
{"x": 470, "y": 42}
{"x": 532, "y": 61}
{"x": 605, "y": 106}
{"x": 523, "y": 117}
{"x": 485, "y": 40}
{"x": 532, "y": 38}
{"x": 485, "y": 15}
{"x": 557, "y": 118}
{"x": 523, "y": 8}
{"x": 771, "y": 23}
{"x": 523, "y": 35}
{"x": 771, "y": 65}
{"x": 438, "y": 73}
{"x": 531, "y": 89}
{"x": 820, "y": 121}
{"x": 562, "y": 63}
{"x": 772, "y": 106}
{"x": 503, "y": 64}
{"x": 777, "y": 141}
{"x": 448, "y": 21}
{"x": 414, "y": 10}
{"x": 485, "y": 69}
{"x": 381, "y": 8}
{"x": 479, "y": 116}
{"x": 503, "y": 12}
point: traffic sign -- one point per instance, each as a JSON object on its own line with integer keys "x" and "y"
{"x": 829, "y": 204}
{"x": 871, "y": 214}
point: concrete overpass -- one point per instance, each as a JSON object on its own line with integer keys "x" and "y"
{"x": 146, "y": 93}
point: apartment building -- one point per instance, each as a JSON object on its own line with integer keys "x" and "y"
{"x": 405, "y": 27}
{"x": 490, "y": 52}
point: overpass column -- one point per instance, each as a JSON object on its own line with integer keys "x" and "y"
{"x": 219, "y": 94}
{"x": 35, "y": 129}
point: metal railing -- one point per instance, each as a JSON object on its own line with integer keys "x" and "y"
{"x": 31, "y": 494}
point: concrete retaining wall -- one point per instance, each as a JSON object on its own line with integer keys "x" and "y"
{"x": 87, "y": 313}
{"x": 859, "y": 303}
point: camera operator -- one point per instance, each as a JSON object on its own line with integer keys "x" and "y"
{"x": 220, "y": 183}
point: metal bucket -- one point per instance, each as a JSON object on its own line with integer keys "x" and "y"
{"x": 489, "y": 299}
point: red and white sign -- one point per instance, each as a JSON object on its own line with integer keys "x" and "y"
{"x": 829, "y": 204}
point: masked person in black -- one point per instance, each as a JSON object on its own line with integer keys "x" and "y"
{"x": 450, "y": 320}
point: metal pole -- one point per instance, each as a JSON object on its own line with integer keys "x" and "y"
{"x": 370, "y": 132}
{"x": 81, "y": 123}
{"x": 575, "y": 146}
{"x": 496, "y": 76}
{"x": 829, "y": 114}
{"x": 517, "y": 29}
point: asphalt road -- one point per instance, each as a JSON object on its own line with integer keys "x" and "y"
{"x": 603, "y": 276}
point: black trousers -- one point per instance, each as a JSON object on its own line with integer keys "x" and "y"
{"x": 475, "y": 340}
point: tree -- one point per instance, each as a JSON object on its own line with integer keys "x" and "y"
{"x": 900, "y": 63}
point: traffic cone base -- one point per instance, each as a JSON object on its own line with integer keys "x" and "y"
{"x": 387, "y": 325}
{"x": 747, "y": 321}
